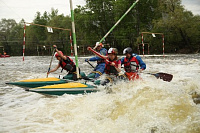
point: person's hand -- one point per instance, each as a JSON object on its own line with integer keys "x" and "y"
{"x": 54, "y": 46}
{"x": 88, "y": 48}
{"x": 86, "y": 60}
{"x": 48, "y": 72}
{"x": 112, "y": 64}
{"x": 140, "y": 70}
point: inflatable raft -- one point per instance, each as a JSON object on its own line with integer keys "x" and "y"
{"x": 4, "y": 56}
{"x": 56, "y": 86}
{"x": 65, "y": 88}
{"x": 32, "y": 83}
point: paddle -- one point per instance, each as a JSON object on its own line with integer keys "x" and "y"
{"x": 98, "y": 54}
{"x": 163, "y": 76}
{"x": 90, "y": 64}
{"x": 51, "y": 61}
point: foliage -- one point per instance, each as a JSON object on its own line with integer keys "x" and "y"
{"x": 7, "y": 27}
{"x": 179, "y": 26}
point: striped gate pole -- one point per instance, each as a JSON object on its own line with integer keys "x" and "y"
{"x": 142, "y": 44}
{"x": 163, "y": 45}
{"x": 71, "y": 43}
{"x": 24, "y": 40}
{"x": 74, "y": 38}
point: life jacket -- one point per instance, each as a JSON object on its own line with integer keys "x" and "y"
{"x": 131, "y": 65}
{"x": 111, "y": 69}
{"x": 65, "y": 63}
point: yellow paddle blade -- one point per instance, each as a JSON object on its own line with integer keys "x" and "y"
{"x": 41, "y": 80}
{"x": 65, "y": 85}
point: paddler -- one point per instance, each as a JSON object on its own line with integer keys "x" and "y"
{"x": 113, "y": 67}
{"x": 133, "y": 64}
{"x": 100, "y": 67}
{"x": 65, "y": 63}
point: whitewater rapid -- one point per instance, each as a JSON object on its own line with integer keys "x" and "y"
{"x": 143, "y": 106}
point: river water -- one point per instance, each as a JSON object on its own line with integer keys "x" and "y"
{"x": 143, "y": 106}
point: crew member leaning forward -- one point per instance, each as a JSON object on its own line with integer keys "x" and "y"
{"x": 132, "y": 64}
{"x": 100, "y": 67}
{"x": 65, "y": 63}
{"x": 113, "y": 67}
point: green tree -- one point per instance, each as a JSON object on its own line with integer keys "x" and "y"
{"x": 180, "y": 26}
{"x": 60, "y": 37}
{"x": 98, "y": 16}
{"x": 6, "y": 27}
{"x": 36, "y": 36}
{"x": 16, "y": 38}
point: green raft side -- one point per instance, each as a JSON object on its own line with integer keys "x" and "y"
{"x": 91, "y": 75}
{"x": 70, "y": 76}
{"x": 36, "y": 84}
{"x": 61, "y": 91}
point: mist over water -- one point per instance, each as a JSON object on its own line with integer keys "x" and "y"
{"x": 143, "y": 106}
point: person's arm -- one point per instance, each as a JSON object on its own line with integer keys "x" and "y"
{"x": 62, "y": 56}
{"x": 140, "y": 61}
{"x": 103, "y": 52}
{"x": 53, "y": 70}
{"x": 95, "y": 58}
{"x": 118, "y": 68}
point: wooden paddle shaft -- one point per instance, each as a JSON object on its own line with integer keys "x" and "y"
{"x": 98, "y": 54}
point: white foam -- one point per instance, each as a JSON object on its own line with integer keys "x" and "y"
{"x": 147, "y": 105}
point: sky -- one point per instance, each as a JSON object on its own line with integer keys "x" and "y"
{"x": 26, "y": 9}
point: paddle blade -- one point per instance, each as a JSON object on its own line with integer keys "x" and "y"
{"x": 164, "y": 76}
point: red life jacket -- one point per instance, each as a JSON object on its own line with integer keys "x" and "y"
{"x": 63, "y": 63}
{"x": 131, "y": 65}
{"x": 111, "y": 69}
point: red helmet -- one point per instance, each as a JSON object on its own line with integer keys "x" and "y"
{"x": 57, "y": 55}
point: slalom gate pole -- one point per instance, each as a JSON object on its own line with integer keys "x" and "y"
{"x": 74, "y": 38}
{"x": 119, "y": 21}
{"x": 24, "y": 40}
{"x": 143, "y": 45}
{"x": 163, "y": 45}
{"x": 71, "y": 43}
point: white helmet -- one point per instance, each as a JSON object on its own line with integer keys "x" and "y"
{"x": 113, "y": 51}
